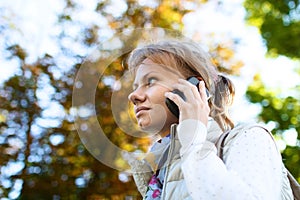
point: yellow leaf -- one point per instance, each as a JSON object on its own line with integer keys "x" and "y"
{"x": 2, "y": 118}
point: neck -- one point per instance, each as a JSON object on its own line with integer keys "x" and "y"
{"x": 164, "y": 133}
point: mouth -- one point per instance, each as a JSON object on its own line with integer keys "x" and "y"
{"x": 140, "y": 109}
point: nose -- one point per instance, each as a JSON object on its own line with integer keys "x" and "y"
{"x": 137, "y": 96}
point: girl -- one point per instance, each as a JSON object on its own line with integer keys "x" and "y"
{"x": 184, "y": 163}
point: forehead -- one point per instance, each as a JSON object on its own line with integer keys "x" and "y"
{"x": 148, "y": 66}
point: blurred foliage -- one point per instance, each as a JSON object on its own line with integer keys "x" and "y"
{"x": 223, "y": 56}
{"x": 283, "y": 112}
{"x": 42, "y": 156}
{"x": 279, "y": 24}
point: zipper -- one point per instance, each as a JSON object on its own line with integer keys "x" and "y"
{"x": 168, "y": 162}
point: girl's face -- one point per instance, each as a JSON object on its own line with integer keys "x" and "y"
{"x": 151, "y": 82}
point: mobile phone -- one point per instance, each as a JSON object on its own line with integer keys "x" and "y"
{"x": 172, "y": 106}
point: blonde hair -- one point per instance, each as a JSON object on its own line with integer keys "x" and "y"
{"x": 189, "y": 59}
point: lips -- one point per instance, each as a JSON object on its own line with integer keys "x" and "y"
{"x": 137, "y": 110}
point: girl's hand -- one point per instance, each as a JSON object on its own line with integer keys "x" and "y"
{"x": 196, "y": 104}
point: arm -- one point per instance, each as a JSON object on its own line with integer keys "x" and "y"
{"x": 252, "y": 170}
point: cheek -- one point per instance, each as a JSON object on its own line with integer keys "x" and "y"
{"x": 161, "y": 111}
{"x": 161, "y": 100}
{"x": 158, "y": 96}
{"x": 155, "y": 120}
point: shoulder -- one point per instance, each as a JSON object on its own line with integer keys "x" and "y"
{"x": 248, "y": 130}
{"x": 254, "y": 137}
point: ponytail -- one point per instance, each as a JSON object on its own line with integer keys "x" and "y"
{"x": 221, "y": 100}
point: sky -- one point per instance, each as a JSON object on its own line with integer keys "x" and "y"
{"x": 35, "y": 21}
{"x": 36, "y": 18}
{"x": 227, "y": 20}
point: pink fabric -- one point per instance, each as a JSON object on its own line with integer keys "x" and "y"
{"x": 154, "y": 189}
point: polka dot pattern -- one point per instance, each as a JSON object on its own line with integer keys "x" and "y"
{"x": 251, "y": 168}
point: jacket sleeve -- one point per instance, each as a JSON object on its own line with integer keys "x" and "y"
{"x": 252, "y": 169}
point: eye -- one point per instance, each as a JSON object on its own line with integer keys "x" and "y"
{"x": 151, "y": 81}
{"x": 148, "y": 82}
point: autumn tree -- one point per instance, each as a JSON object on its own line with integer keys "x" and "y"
{"x": 42, "y": 154}
{"x": 279, "y": 24}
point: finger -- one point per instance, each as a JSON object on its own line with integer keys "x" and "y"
{"x": 187, "y": 83}
{"x": 188, "y": 89}
{"x": 175, "y": 98}
{"x": 202, "y": 90}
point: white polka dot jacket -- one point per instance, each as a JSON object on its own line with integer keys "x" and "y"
{"x": 189, "y": 168}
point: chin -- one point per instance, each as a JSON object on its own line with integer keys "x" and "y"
{"x": 154, "y": 125}
{"x": 150, "y": 128}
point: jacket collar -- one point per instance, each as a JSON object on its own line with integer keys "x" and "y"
{"x": 159, "y": 150}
